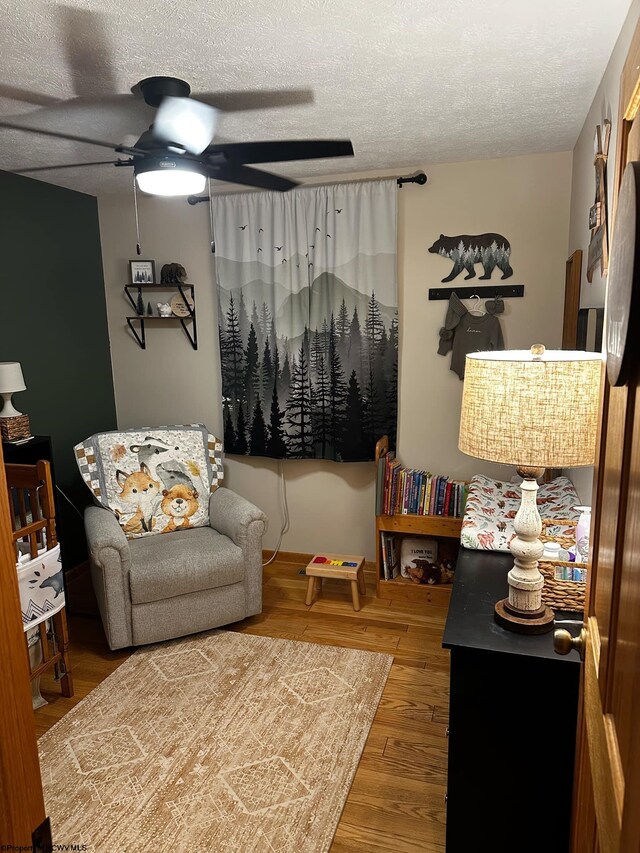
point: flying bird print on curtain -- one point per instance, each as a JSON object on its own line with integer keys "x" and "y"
{"x": 308, "y": 320}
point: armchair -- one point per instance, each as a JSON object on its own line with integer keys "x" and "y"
{"x": 159, "y": 587}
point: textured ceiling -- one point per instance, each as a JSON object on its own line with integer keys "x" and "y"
{"x": 410, "y": 83}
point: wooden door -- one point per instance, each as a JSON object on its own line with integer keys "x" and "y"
{"x": 21, "y": 800}
{"x": 572, "y": 282}
{"x": 607, "y": 790}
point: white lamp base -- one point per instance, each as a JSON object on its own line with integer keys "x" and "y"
{"x": 523, "y": 611}
{"x": 8, "y": 410}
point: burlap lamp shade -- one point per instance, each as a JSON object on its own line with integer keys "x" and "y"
{"x": 535, "y": 410}
{"x": 527, "y": 412}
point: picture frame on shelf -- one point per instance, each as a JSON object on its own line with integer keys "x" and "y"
{"x": 142, "y": 272}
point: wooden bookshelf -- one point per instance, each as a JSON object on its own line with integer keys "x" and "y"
{"x": 447, "y": 527}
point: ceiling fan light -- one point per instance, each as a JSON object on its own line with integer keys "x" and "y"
{"x": 170, "y": 177}
{"x": 187, "y": 122}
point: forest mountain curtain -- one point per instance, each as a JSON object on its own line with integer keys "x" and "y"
{"x": 308, "y": 320}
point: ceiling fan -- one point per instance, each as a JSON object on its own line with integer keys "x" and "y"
{"x": 176, "y": 155}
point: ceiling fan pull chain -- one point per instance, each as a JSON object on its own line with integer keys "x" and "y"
{"x": 135, "y": 207}
{"x": 213, "y": 242}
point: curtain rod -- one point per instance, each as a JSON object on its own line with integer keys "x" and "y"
{"x": 419, "y": 178}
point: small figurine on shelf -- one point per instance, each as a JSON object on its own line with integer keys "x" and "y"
{"x": 173, "y": 274}
{"x": 140, "y": 304}
{"x": 164, "y": 309}
{"x": 149, "y": 310}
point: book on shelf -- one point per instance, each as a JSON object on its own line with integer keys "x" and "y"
{"x": 407, "y": 491}
{"x": 380, "y": 485}
{"x": 390, "y": 561}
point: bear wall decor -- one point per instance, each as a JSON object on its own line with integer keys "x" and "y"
{"x": 465, "y": 250}
{"x": 173, "y": 274}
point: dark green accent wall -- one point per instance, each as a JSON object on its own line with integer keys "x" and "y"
{"x": 53, "y": 321}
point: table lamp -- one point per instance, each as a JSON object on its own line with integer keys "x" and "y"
{"x": 13, "y": 424}
{"x": 534, "y": 410}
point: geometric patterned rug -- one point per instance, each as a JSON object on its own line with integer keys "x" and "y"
{"x": 218, "y": 743}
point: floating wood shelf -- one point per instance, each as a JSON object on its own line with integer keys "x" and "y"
{"x": 157, "y": 286}
{"x": 140, "y": 334}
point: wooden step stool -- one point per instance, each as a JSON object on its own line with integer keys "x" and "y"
{"x": 317, "y": 571}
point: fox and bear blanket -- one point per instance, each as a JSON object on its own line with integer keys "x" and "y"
{"x": 155, "y": 479}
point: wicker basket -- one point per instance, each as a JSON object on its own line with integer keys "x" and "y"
{"x": 556, "y": 593}
{"x": 14, "y": 428}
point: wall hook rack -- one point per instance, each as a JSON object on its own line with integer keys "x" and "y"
{"x": 487, "y": 291}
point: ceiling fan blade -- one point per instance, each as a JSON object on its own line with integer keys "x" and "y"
{"x": 187, "y": 122}
{"x": 121, "y": 115}
{"x": 30, "y": 169}
{"x": 114, "y": 146}
{"x": 236, "y": 173}
{"x": 230, "y": 102}
{"x": 25, "y": 96}
{"x": 280, "y": 151}
{"x": 87, "y": 51}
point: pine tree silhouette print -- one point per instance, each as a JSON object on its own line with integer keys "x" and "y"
{"x": 321, "y": 407}
{"x": 233, "y": 361}
{"x": 251, "y": 377}
{"x": 241, "y": 446}
{"x": 354, "y": 348}
{"x": 354, "y": 448}
{"x": 299, "y": 409}
{"x": 276, "y": 446}
{"x": 391, "y": 371}
{"x": 337, "y": 393}
{"x": 266, "y": 372}
{"x": 258, "y": 435}
{"x": 229, "y": 432}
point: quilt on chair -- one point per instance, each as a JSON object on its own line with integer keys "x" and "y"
{"x": 155, "y": 479}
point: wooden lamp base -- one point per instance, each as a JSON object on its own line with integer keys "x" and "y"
{"x": 523, "y": 611}
{"x": 523, "y": 621}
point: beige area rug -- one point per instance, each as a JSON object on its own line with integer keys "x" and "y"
{"x": 219, "y": 743}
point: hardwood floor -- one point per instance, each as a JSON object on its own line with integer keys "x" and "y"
{"x": 396, "y": 801}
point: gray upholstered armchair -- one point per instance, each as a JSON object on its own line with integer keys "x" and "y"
{"x": 159, "y": 587}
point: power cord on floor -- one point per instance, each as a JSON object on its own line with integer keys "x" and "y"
{"x": 285, "y": 512}
{"x": 70, "y": 502}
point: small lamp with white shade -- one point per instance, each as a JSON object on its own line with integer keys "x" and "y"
{"x": 533, "y": 409}
{"x": 13, "y": 424}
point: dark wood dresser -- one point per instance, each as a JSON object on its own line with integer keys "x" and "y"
{"x": 512, "y": 723}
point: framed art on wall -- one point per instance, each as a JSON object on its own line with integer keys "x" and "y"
{"x": 142, "y": 272}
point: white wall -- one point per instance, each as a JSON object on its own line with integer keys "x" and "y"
{"x": 605, "y": 105}
{"x": 331, "y": 504}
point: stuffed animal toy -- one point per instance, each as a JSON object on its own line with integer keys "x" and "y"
{"x": 431, "y": 573}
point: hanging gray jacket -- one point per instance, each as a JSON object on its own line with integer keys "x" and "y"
{"x": 463, "y": 333}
